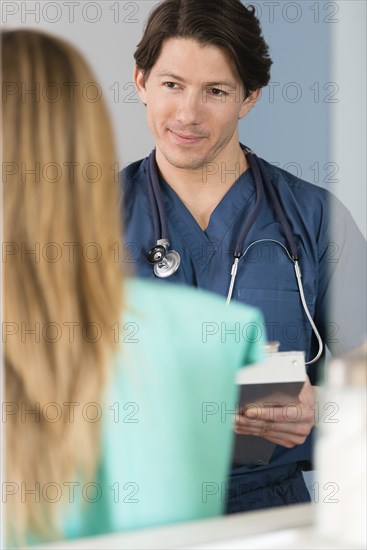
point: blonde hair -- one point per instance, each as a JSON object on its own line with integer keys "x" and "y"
{"x": 62, "y": 280}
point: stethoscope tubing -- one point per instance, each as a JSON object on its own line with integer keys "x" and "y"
{"x": 279, "y": 210}
{"x": 155, "y": 196}
{"x": 261, "y": 181}
{"x": 153, "y": 203}
{"x": 259, "y": 200}
{"x": 298, "y": 275}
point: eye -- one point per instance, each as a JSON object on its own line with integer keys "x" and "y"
{"x": 170, "y": 85}
{"x": 217, "y": 92}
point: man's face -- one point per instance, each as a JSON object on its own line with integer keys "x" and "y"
{"x": 194, "y": 99}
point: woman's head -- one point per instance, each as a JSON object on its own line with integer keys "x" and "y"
{"x": 62, "y": 284}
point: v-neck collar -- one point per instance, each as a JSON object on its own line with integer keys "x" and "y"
{"x": 204, "y": 243}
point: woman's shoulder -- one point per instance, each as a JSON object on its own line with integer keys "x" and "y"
{"x": 174, "y": 314}
{"x": 163, "y": 298}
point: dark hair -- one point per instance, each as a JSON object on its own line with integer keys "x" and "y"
{"x": 227, "y": 24}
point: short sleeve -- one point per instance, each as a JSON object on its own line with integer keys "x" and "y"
{"x": 342, "y": 294}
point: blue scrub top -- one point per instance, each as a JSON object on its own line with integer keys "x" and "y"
{"x": 265, "y": 276}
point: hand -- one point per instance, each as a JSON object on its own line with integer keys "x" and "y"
{"x": 288, "y": 425}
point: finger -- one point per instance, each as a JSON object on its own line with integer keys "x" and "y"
{"x": 292, "y": 412}
{"x": 287, "y": 440}
{"x": 306, "y": 389}
{"x": 276, "y": 429}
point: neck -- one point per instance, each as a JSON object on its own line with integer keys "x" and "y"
{"x": 202, "y": 189}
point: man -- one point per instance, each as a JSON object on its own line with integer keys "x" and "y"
{"x": 200, "y": 67}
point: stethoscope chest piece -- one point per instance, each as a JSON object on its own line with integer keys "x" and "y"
{"x": 169, "y": 265}
{"x": 166, "y": 262}
{"x": 156, "y": 254}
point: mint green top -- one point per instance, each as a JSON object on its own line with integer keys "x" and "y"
{"x": 168, "y": 413}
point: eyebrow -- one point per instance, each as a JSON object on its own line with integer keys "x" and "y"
{"x": 170, "y": 75}
{"x": 227, "y": 84}
{"x": 222, "y": 83}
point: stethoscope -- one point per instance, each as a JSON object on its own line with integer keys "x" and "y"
{"x": 166, "y": 261}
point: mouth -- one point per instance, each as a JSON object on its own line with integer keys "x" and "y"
{"x": 189, "y": 139}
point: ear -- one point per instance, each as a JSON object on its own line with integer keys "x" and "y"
{"x": 249, "y": 102}
{"x": 139, "y": 80}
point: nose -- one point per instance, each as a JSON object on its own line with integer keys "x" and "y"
{"x": 190, "y": 108}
